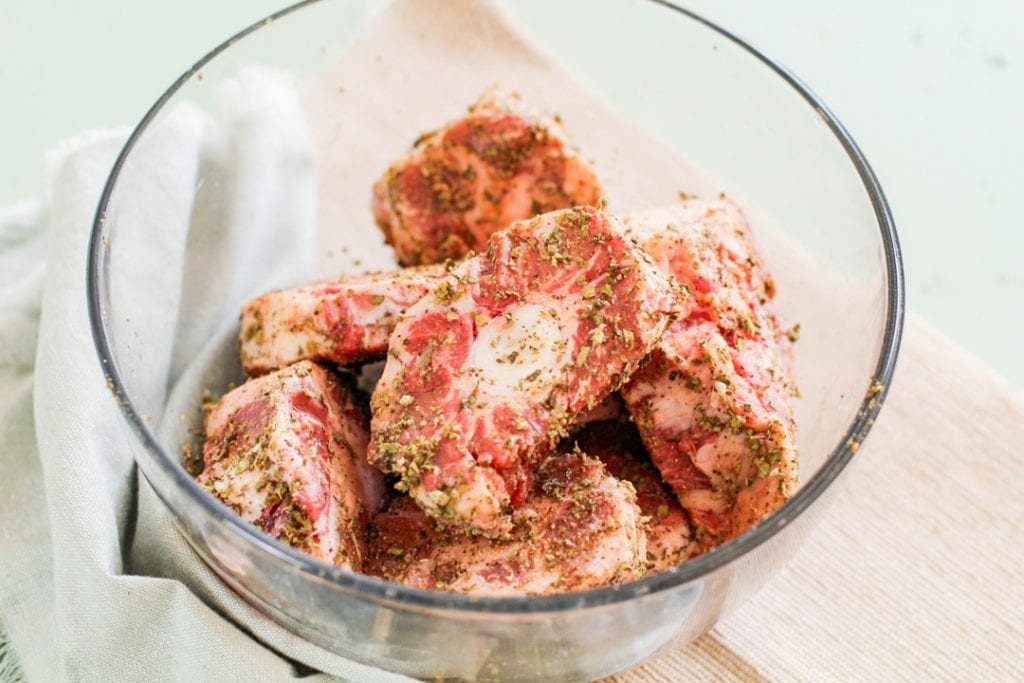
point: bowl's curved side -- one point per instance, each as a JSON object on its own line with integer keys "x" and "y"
{"x": 586, "y": 634}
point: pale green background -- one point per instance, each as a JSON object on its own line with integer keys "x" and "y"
{"x": 933, "y": 92}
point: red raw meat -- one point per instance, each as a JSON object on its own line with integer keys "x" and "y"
{"x": 487, "y": 373}
{"x": 345, "y": 321}
{"x": 712, "y": 402}
{"x": 287, "y": 453}
{"x": 704, "y": 244}
{"x": 580, "y": 528}
{"x": 616, "y": 443}
{"x": 501, "y": 163}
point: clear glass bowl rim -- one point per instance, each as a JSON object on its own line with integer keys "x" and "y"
{"x": 385, "y": 591}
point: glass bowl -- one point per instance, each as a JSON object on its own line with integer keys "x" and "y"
{"x": 296, "y": 116}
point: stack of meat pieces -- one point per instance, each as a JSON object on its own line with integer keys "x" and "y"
{"x": 569, "y": 399}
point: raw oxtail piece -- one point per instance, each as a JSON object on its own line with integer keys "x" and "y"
{"x": 345, "y": 321}
{"x": 287, "y": 453}
{"x": 616, "y": 443}
{"x": 715, "y": 434}
{"x": 705, "y": 245}
{"x": 580, "y": 528}
{"x": 488, "y": 372}
{"x": 502, "y": 162}
{"x": 712, "y": 403}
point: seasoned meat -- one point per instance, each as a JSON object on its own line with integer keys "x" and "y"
{"x": 616, "y": 443}
{"x": 720, "y": 443}
{"x": 502, "y": 162}
{"x": 344, "y": 321}
{"x": 287, "y": 453}
{"x": 579, "y": 528}
{"x": 712, "y": 402}
{"x": 705, "y": 245}
{"x": 489, "y": 371}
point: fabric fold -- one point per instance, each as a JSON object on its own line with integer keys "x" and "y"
{"x": 85, "y": 594}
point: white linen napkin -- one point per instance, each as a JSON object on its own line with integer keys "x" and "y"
{"x": 81, "y": 534}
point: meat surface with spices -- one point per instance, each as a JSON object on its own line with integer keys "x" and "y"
{"x": 616, "y": 443}
{"x": 705, "y": 245}
{"x": 488, "y": 372}
{"x": 287, "y": 453}
{"x": 500, "y": 163}
{"x": 712, "y": 402}
{"x": 344, "y": 321}
{"x": 580, "y": 528}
